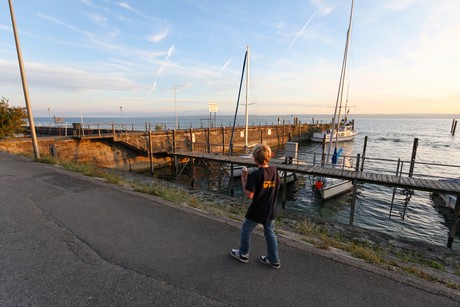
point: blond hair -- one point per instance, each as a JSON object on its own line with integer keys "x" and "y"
{"x": 262, "y": 153}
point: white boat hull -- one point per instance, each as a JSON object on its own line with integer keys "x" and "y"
{"x": 345, "y": 133}
{"x": 237, "y": 170}
{"x": 448, "y": 200}
{"x": 335, "y": 188}
{"x": 318, "y": 137}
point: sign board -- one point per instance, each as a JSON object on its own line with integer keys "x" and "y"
{"x": 213, "y": 107}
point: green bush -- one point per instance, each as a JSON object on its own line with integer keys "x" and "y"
{"x": 12, "y": 119}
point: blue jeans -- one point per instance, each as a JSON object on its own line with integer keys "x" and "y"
{"x": 269, "y": 233}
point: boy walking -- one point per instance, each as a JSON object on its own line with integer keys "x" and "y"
{"x": 262, "y": 187}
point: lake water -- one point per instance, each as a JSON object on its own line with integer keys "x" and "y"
{"x": 389, "y": 139}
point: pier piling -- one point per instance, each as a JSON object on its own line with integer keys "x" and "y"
{"x": 412, "y": 159}
{"x": 364, "y": 153}
{"x": 455, "y": 220}
{"x": 353, "y": 199}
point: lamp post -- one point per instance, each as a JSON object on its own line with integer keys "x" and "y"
{"x": 49, "y": 115}
{"x": 121, "y": 116}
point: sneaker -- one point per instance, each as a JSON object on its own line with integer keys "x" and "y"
{"x": 236, "y": 253}
{"x": 264, "y": 260}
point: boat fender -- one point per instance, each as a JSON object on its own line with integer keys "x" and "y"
{"x": 319, "y": 185}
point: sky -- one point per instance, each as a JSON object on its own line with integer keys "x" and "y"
{"x": 157, "y": 58}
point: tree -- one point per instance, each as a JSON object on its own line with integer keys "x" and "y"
{"x": 12, "y": 119}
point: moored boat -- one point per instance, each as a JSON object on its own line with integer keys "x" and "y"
{"x": 331, "y": 187}
{"x": 344, "y": 133}
{"x": 448, "y": 200}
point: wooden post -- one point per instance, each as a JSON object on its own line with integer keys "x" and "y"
{"x": 455, "y": 127}
{"x": 191, "y": 139}
{"x": 284, "y": 127}
{"x": 455, "y": 220}
{"x": 209, "y": 140}
{"x": 223, "y": 140}
{"x": 398, "y": 173}
{"x": 353, "y": 199}
{"x": 300, "y": 131}
{"x": 174, "y": 141}
{"x": 284, "y": 189}
{"x": 231, "y": 179}
{"x": 219, "y": 176}
{"x": 412, "y": 159}
{"x": 364, "y": 153}
{"x": 150, "y": 153}
{"x": 323, "y": 148}
{"x": 192, "y": 183}
{"x": 452, "y": 127}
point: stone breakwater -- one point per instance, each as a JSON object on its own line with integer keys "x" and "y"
{"x": 131, "y": 150}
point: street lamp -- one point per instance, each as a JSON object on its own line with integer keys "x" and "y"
{"x": 49, "y": 115}
{"x": 121, "y": 116}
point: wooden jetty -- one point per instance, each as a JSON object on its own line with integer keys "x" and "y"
{"x": 356, "y": 176}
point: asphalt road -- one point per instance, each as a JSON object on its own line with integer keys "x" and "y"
{"x": 70, "y": 240}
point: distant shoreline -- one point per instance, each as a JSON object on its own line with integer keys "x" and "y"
{"x": 285, "y": 116}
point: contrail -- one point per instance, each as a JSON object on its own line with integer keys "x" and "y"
{"x": 225, "y": 65}
{"x": 303, "y": 29}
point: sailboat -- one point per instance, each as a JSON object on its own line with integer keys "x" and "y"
{"x": 238, "y": 169}
{"x": 345, "y": 129}
{"x": 330, "y": 187}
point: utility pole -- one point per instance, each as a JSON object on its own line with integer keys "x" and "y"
{"x": 24, "y": 85}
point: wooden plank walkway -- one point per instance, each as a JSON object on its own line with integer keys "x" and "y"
{"x": 429, "y": 185}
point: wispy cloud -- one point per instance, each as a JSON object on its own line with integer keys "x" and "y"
{"x": 162, "y": 67}
{"x": 158, "y": 37}
{"x": 125, "y": 6}
{"x": 153, "y": 88}
{"x": 398, "y": 5}
{"x": 170, "y": 52}
{"x": 323, "y": 7}
{"x": 57, "y": 21}
{"x": 99, "y": 20}
{"x": 59, "y": 76}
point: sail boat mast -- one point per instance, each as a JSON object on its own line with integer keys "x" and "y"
{"x": 230, "y": 150}
{"x": 342, "y": 79}
{"x": 247, "y": 94}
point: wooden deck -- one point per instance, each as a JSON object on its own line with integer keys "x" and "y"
{"x": 429, "y": 185}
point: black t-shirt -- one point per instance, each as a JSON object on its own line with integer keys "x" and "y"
{"x": 264, "y": 183}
